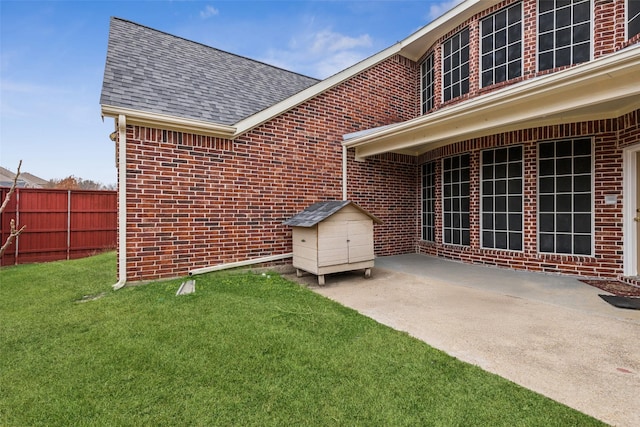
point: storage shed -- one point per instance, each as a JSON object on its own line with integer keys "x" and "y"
{"x": 333, "y": 236}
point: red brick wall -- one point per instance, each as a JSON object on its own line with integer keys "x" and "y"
{"x": 385, "y": 185}
{"x": 198, "y": 201}
{"x": 609, "y": 136}
{"x": 608, "y": 36}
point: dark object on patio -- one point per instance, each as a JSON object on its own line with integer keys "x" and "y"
{"x": 622, "y": 302}
{"x": 615, "y": 287}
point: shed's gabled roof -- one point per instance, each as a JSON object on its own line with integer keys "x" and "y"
{"x": 148, "y": 70}
{"x": 322, "y": 210}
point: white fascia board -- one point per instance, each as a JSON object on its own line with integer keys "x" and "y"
{"x": 415, "y": 46}
{"x": 165, "y": 121}
{"x": 275, "y": 110}
{"x": 574, "y": 94}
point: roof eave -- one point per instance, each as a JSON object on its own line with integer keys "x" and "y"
{"x": 417, "y": 44}
{"x": 412, "y": 47}
{"x": 600, "y": 89}
{"x": 165, "y": 121}
{"x": 267, "y": 114}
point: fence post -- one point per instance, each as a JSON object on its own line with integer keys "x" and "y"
{"x": 68, "y": 223}
{"x": 17, "y": 241}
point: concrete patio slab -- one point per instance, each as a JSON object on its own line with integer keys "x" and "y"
{"x": 551, "y": 334}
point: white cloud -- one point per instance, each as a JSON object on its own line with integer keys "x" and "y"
{"x": 321, "y": 53}
{"x": 328, "y": 41}
{"x": 440, "y": 8}
{"x": 208, "y": 12}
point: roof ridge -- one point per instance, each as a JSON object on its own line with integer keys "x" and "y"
{"x": 213, "y": 48}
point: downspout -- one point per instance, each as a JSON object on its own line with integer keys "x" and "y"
{"x": 244, "y": 263}
{"x": 344, "y": 173}
{"x": 122, "y": 203}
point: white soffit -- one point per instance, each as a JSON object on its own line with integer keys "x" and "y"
{"x": 417, "y": 44}
{"x": 604, "y": 88}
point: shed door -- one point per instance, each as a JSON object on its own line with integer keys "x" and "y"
{"x": 360, "y": 240}
{"x": 342, "y": 242}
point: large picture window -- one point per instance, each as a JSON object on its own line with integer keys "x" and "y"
{"x": 427, "y": 84}
{"x": 564, "y": 33}
{"x": 455, "y": 200}
{"x": 633, "y": 18}
{"x": 565, "y": 199}
{"x": 455, "y": 65}
{"x": 429, "y": 201}
{"x": 501, "y": 46}
{"x": 502, "y": 198}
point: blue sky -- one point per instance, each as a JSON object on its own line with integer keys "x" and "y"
{"x": 52, "y": 56}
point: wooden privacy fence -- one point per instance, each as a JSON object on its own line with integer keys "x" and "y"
{"x": 61, "y": 224}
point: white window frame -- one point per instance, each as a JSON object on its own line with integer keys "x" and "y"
{"x": 423, "y": 89}
{"x": 627, "y": 18}
{"x": 592, "y": 212}
{"x": 442, "y": 62}
{"x": 591, "y": 34}
{"x": 442, "y": 196}
{"x": 507, "y": 194}
{"x": 422, "y": 201}
{"x": 481, "y": 53}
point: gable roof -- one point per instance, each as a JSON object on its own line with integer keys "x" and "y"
{"x": 322, "y": 210}
{"x": 115, "y": 98}
{"x": 24, "y": 180}
{"x": 151, "y": 71}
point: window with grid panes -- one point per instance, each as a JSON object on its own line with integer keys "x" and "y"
{"x": 429, "y": 201}
{"x": 455, "y": 200}
{"x": 633, "y": 18}
{"x": 428, "y": 84}
{"x": 501, "y": 46}
{"x": 502, "y": 198}
{"x": 455, "y": 65}
{"x": 565, "y": 197}
{"x": 564, "y": 32}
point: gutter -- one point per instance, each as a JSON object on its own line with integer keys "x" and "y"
{"x": 244, "y": 263}
{"x": 164, "y": 121}
{"x": 122, "y": 203}
{"x": 578, "y": 91}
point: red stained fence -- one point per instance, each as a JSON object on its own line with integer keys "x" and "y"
{"x": 61, "y": 224}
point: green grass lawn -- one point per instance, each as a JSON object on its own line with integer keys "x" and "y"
{"x": 245, "y": 349}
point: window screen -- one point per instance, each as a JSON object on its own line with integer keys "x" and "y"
{"x": 428, "y": 84}
{"x": 455, "y": 65}
{"x": 633, "y": 18}
{"x": 502, "y": 198}
{"x": 455, "y": 200}
{"x": 429, "y": 201}
{"x": 564, "y": 32}
{"x": 501, "y": 46}
{"x": 565, "y": 197}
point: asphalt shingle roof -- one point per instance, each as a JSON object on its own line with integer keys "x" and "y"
{"x": 156, "y": 72}
{"x": 320, "y": 211}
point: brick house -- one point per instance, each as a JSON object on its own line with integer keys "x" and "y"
{"x": 504, "y": 133}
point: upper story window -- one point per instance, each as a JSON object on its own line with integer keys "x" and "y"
{"x": 564, "y": 33}
{"x": 455, "y": 65}
{"x": 633, "y": 18}
{"x": 501, "y": 46}
{"x": 427, "y": 84}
